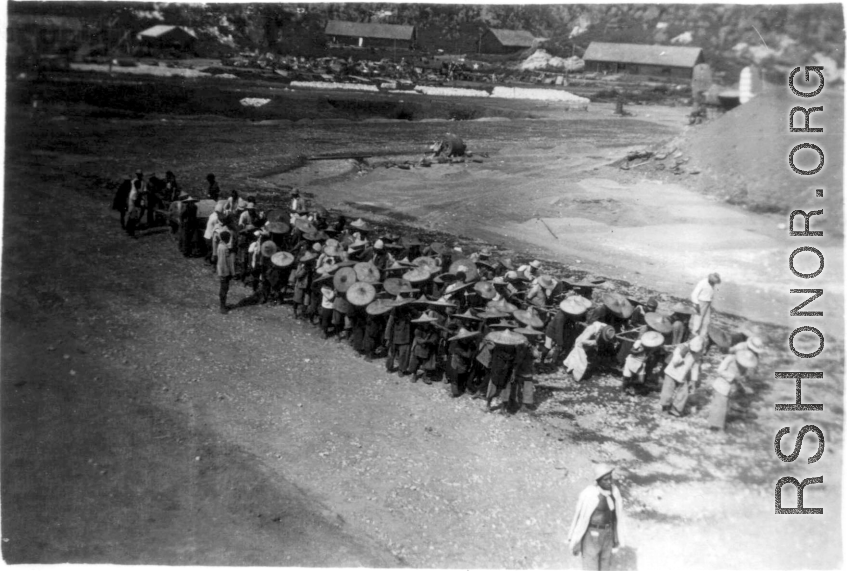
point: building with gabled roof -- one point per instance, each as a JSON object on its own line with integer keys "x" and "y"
{"x": 367, "y": 34}
{"x": 496, "y": 41}
{"x": 641, "y": 59}
{"x": 163, "y": 36}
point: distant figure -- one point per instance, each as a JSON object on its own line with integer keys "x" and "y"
{"x": 702, "y": 297}
{"x": 225, "y": 267}
{"x": 214, "y": 189}
{"x": 598, "y": 524}
{"x": 133, "y": 203}
{"x": 171, "y": 187}
{"x": 733, "y": 371}
{"x": 120, "y": 201}
{"x": 188, "y": 226}
{"x": 681, "y": 375}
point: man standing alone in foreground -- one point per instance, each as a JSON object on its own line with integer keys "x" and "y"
{"x": 598, "y": 524}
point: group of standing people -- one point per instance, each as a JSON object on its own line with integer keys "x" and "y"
{"x": 482, "y": 323}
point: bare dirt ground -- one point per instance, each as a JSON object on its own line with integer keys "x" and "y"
{"x": 140, "y": 426}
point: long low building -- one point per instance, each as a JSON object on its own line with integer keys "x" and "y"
{"x": 366, "y": 34}
{"x": 640, "y": 59}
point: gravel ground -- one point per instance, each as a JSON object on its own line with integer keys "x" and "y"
{"x": 140, "y": 426}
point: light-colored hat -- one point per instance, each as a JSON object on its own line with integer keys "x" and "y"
{"x": 358, "y": 244}
{"x": 379, "y": 245}
{"x": 529, "y": 317}
{"x": 618, "y": 304}
{"x": 457, "y": 286}
{"x": 485, "y": 290}
{"x": 366, "y": 272}
{"x": 535, "y": 264}
{"x": 506, "y": 337}
{"x": 360, "y": 225}
{"x": 278, "y": 227}
{"x": 466, "y": 267}
{"x": 343, "y": 279}
{"x": 501, "y": 305}
{"x": 756, "y": 345}
{"x": 572, "y": 306}
{"x": 601, "y": 470}
{"x": 394, "y": 285}
{"x": 268, "y": 248}
{"x": 282, "y": 259}
{"x": 316, "y": 247}
{"x": 379, "y": 306}
{"x": 747, "y": 359}
{"x": 463, "y": 334}
{"x": 438, "y": 247}
{"x": 361, "y": 293}
{"x": 467, "y": 315}
{"x": 528, "y": 331}
{"x": 430, "y": 264}
{"x": 504, "y": 324}
{"x": 417, "y": 275}
{"x": 492, "y": 314}
{"x": 427, "y": 317}
{"x": 658, "y": 322}
{"x": 303, "y": 225}
{"x": 400, "y": 300}
{"x": 546, "y": 281}
{"x": 652, "y": 339}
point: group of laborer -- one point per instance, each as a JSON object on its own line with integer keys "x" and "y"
{"x": 482, "y": 322}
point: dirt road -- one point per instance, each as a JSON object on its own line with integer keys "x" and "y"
{"x": 139, "y": 425}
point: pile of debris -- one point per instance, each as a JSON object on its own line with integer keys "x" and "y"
{"x": 667, "y": 158}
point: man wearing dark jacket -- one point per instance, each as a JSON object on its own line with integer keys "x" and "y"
{"x": 398, "y": 335}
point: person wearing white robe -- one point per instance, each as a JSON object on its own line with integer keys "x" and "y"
{"x": 598, "y": 526}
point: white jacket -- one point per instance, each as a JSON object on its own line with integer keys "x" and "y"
{"x": 585, "y": 506}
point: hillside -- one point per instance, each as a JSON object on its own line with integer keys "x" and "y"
{"x": 732, "y": 36}
{"x": 743, "y": 155}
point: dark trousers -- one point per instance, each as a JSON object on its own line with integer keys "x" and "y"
{"x": 459, "y": 382}
{"x": 224, "y": 290}
{"x": 400, "y": 352}
{"x": 131, "y": 223}
{"x": 326, "y": 319}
